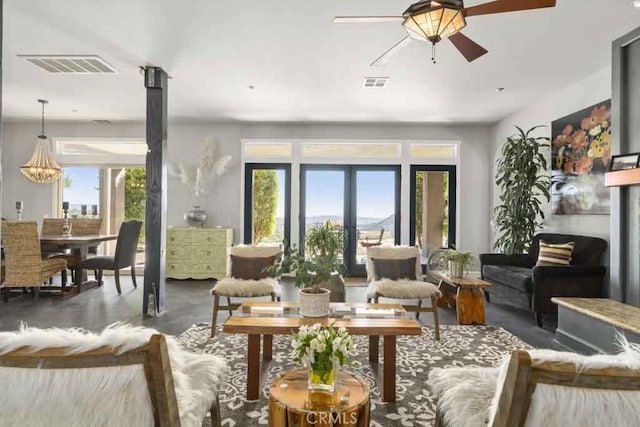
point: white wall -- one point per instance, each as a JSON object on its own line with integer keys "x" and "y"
{"x": 224, "y": 203}
{"x": 579, "y": 95}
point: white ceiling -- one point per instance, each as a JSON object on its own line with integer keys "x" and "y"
{"x": 303, "y": 67}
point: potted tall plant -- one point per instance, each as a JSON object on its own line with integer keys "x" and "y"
{"x": 524, "y": 187}
{"x": 316, "y": 268}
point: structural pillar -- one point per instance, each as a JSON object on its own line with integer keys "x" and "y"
{"x": 155, "y": 81}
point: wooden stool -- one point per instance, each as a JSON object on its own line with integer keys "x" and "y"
{"x": 290, "y": 403}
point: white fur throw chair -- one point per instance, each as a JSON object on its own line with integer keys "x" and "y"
{"x": 403, "y": 288}
{"x": 542, "y": 388}
{"x": 246, "y": 284}
{"x": 123, "y": 376}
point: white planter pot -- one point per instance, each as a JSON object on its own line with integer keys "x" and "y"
{"x": 314, "y": 305}
{"x": 455, "y": 269}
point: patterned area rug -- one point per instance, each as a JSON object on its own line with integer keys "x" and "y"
{"x": 415, "y": 406}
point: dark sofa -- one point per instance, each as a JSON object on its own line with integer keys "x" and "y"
{"x": 518, "y": 282}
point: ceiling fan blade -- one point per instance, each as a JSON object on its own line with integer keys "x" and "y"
{"x": 385, "y": 57}
{"x": 501, "y": 6}
{"x": 365, "y": 19}
{"x": 467, "y": 47}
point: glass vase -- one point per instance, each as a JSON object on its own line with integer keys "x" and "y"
{"x": 323, "y": 379}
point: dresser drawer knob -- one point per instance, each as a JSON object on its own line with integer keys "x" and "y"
{"x": 208, "y": 252}
{"x": 208, "y": 239}
{"x": 208, "y": 267}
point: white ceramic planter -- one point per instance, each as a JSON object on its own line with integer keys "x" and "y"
{"x": 314, "y": 305}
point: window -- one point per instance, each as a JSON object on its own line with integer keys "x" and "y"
{"x": 267, "y": 203}
{"x": 81, "y": 188}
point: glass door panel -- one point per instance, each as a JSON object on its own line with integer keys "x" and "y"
{"x": 432, "y": 208}
{"x": 323, "y": 192}
{"x": 375, "y": 211}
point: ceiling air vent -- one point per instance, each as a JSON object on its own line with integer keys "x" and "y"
{"x": 375, "y": 82}
{"x": 70, "y": 64}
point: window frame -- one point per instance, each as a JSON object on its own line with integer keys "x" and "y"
{"x": 248, "y": 198}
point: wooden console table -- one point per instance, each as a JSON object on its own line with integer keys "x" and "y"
{"x": 465, "y": 295}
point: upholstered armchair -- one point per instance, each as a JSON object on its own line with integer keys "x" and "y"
{"x": 541, "y": 388}
{"x": 123, "y": 376}
{"x": 247, "y": 278}
{"x": 396, "y": 272}
{"x": 518, "y": 282}
{"x": 24, "y": 266}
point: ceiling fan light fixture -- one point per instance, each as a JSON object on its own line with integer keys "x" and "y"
{"x": 433, "y": 20}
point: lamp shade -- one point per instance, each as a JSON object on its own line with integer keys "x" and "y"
{"x": 42, "y": 168}
{"x": 434, "y": 20}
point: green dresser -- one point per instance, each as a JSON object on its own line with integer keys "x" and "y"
{"x": 198, "y": 253}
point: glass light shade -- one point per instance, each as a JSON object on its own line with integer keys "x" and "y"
{"x": 42, "y": 168}
{"x": 435, "y": 22}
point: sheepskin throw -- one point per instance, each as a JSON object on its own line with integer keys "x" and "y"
{"x": 392, "y": 252}
{"x": 468, "y": 397}
{"x": 402, "y": 289}
{"x": 231, "y": 287}
{"x": 109, "y": 396}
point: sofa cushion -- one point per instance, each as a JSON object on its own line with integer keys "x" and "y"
{"x": 552, "y": 254}
{"x": 587, "y": 250}
{"x": 519, "y": 278}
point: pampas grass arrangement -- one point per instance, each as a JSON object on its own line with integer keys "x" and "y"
{"x": 198, "y": 178}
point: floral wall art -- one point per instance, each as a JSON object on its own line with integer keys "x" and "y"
{"x": 581, "y": 152}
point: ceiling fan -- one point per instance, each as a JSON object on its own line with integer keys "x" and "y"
{"x": 434, "y": 20}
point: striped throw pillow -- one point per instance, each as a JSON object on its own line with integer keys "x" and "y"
{"x": 551, "y": 254}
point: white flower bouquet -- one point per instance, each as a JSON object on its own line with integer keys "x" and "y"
{"x": 322, "y": 349}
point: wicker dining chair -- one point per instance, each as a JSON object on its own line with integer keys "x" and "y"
{"x": 24, "y": 266}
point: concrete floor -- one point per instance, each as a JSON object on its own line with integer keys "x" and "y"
{"x": 189, "y": 302}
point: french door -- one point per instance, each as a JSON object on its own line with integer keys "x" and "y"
{"x": 432, "y": 215}
{"x": 365, "y": 200}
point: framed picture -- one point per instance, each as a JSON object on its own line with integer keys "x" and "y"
{"x": 624, "y": 161}
{"x": 581, "y": 154}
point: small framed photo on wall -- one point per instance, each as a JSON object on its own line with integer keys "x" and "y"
{"x": 624, "y": 162}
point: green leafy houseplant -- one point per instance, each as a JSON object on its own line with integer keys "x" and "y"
{"x": 460, "y": 260}
{"x": 524, "y": 186}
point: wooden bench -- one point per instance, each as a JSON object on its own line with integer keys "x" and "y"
{"x": 590, "y": 325}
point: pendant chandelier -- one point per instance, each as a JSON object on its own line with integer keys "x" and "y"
{"x": 42, "y": 168}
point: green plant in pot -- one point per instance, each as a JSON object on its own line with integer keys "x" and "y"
{"x": 524, "y": 188}
{"x": 455, "y": 262}
{"x": 315, "y": 269}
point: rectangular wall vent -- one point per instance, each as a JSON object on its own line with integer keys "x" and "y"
{"x": 70, "y": 64}
{"x": 375, "y": 82}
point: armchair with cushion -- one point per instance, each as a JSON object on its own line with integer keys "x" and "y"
{"x": 247, "y": 278}
{"x": 541, "y": 388}
{"x": 519, "y": 282}
{"x": 123, "y": 376}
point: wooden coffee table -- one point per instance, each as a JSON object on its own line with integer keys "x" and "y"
{"x": 465, "y": 295}
{"x": 291, "y": 404}
{"x": 266, "y": 319}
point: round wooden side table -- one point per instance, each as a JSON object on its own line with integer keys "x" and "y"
{"x": 291, "y": 404}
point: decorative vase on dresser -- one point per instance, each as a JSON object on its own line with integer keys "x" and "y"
{"x": 198, "y": 253}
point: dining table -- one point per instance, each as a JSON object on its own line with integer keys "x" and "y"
{"x": 79, "y": 248}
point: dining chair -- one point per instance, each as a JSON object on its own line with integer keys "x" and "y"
{"x": 79, "y": 227}
{"x": 24, "y": 266}
{"x": 125, "y": 255}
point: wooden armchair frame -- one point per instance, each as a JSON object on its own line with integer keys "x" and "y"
{"x": 522, "y": 378}
{"x": 154, "y": 356}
